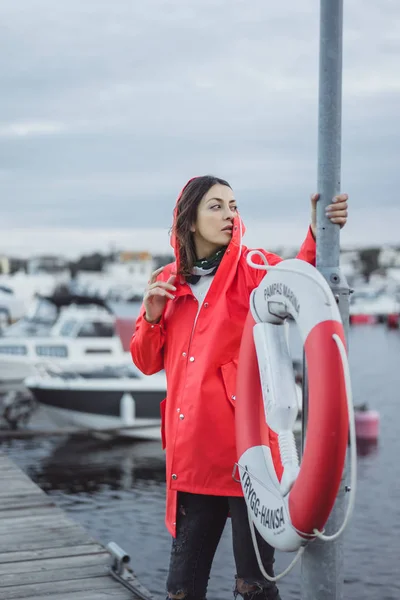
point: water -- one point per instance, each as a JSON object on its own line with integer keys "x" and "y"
{"x": 117, "y": 491}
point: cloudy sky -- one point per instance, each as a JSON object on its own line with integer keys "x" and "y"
{"x": 107, "y": 108}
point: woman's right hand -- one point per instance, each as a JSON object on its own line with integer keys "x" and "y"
{"x": 156, "y": 296}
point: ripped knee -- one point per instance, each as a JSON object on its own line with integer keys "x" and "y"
{"x": 245, "y": 587}
{"x": 256, "y": 590}
{"x": 179, "y": 595}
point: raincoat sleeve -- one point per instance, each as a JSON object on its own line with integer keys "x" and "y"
{"x": 147, "y": 345}
{"x": 308, "y": 249}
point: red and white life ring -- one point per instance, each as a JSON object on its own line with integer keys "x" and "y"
{"x": 288, "y": 502}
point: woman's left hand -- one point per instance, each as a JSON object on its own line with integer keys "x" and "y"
{"x": 336, "y": 212}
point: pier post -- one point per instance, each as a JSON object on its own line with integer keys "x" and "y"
{"x": 322, "y": 576}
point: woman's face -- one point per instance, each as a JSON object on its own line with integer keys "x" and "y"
{"x": 214, "y": 223}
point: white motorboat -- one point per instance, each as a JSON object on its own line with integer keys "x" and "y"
{"x": 84, "y": 333}
{"x": 369, "y": 305}
{"x": 117, "y": 400}
{"x": 102, "y": 399}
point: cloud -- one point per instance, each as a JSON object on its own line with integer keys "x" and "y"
{"x": 31, "y": 128}
{"x": 107, "y": 109}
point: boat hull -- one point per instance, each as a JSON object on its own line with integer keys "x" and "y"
{"x": 135, "y": 411}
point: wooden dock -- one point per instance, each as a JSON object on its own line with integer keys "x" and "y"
{"x": 43, "y": 553}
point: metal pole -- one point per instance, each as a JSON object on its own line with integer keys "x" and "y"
{"x": 322, "y": 574}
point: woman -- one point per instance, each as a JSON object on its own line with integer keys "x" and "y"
{"x": 191, "y": 324}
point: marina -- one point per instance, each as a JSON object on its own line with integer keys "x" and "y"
{"x": 258, "y": 396}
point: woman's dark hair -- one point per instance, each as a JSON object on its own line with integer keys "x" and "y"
{"x": 186, "y": 216}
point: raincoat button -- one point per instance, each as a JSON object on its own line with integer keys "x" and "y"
{"x": 205, "y": 304}
{"x": 181, "y": 417}
{"x": 233, "y": 397}
{"x": 174, "y": 476}
{"x": 184, "y": 354}
{"x": 191, "y": 359}
{"x": 178, "y": 410}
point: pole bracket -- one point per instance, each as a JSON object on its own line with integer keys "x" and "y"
{"x": 337, "y": 282}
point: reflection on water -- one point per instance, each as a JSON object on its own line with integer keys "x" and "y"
{"x": 88, "y": 465}
{"x": 366, "y": 447}
{"x": 77, "y": 466}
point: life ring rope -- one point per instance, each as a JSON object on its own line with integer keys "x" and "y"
{"x": 266, "y": 267}
{"x": 299, "y": 553}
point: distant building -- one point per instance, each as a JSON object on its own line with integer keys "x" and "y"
{"x": 389, "y": 257}
{"x": 350, "y": 265}
{"x": 5, "y": 266}
{"x": 10, "y": 265}
{"x": 52, "y": 265}
{"x": 124, "y": 279}
{"x": 160, "y": 260}
{"x": 137, "y": 266}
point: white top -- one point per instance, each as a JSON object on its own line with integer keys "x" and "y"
{"x": 200, "y": 289}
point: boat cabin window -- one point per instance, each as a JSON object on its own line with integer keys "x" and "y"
{"x": 15, "y": 350}
{"x": 68, "y": 328}
{"x": 52, "y": 350}
{"x": 42, "y": 311}
{"x": 96, "y": 329}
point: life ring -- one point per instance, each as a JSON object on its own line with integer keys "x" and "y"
{"x": 288, "y": 502}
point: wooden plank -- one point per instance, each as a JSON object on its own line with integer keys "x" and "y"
{"x": 116, "y": 594}
{"x": 53, "y": 576}
{"x": 40, "y": 510}
{"x": 7, "y": 469}
{"x": 35, "y": 511}
{"x": 57, "y": 535}
{"x": 82, "y": 550}
{"x": 50, "y": 527}
{"x": 61, "y": 539}
{"x": 21, "y": 502}
{"x": 16, "y": 488}
{"x": 19, "y": 479}
{"x": 53, "y": 518}
{"x": 43, "y": 590}
{"x": 45, "y": 531}
{"x": 10, "y": 479}
{"x": 7, "y": 466}
{"x": 55, "y": 564}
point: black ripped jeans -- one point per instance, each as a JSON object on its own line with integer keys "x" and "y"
{"x": 200, "y": 522}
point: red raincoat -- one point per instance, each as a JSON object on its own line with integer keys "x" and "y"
{"x": 200, "y": 360}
